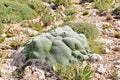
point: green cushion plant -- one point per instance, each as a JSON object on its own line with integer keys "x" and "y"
{"x": 62, "y": 45}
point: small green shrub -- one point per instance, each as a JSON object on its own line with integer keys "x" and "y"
{"x": 114, "y": 74}
{"x": 116, "y": 12}
{"x": 68, "y": 18}
{"x": 68, "y": 12}
{"x": 12, "y": 12}
{"x": 65, "y": 3}
{"x": 9, "y": 34}
{"x": 48, "y": 1}
{"x": 117, "y": 35}
{"x": 0, "y": 74}
{"x": 83, "y": 1}
{"x": 86, "y": 12}
{"x": 36, "y": 26}
{"x": 1, "y": 54}
{"x": 96, "y": 47}
{"x": 90, "y": 31}
{"x": 74, "y": 71}
{"x": 35, "y": 5}
{"x": 14, "y": 44}
{"x": 18, "y": 73}
{"x": 2, "y": 39}
{"x": 1, "y": 29}
{"x": 106, "y": 26}
{"x": 83, "y": 5}
{"x": 25, "y": 24}
{"x": 46, "y": 16}
{"x": 102, "y": 5}
{"x": 20, "y": 1}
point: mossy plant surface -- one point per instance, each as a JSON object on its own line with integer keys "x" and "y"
{"x": 61, "y": 45}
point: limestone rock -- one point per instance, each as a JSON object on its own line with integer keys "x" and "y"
{"x": 118, "y": 73}
{"x": 116, "y": 48}
{"x": 32, "y": 73}
{"x": 106, "y": 51}
{"x": 1, "y": 79}
{"x": 18, "y": 59}
{"x": 96, "y": 58}
{"x": 101, "y": 69}
{"x": 117, "y": 63}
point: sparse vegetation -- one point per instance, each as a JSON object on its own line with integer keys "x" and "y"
{"x": 74, "y": 71}
{"x": 47, "y": 17}
{"x": 83, "y": 1}
{"x": 114, "y": 74}
{"x": 36, "y": 26}
{"x": 18, "y": 73}
{"x": 86, "y": 12}
{"x": 1, "y": 29}
{"x": 96, "y": 47}
{"x": 69, "y": 12}
{"x": 0, "y": 74}
{"x": 36, "y": 5}
{"x": 14, "y": 44}
{"x": 106, "y": 26}
{"x": 117, "y": 35}
{"x": 2, "y": 39}
{"x": 8, "y": 34}
{"x": 68, "y": 18}
{"x": 65, "y": 3}
{"x": 102, "y": 5}
{"x": 1, "y": 53}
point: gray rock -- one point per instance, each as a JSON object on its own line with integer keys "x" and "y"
{"x": 96, "y": 58}
{"x": 116, "y": 48}
{"x": 32, "y": 32}
{"x": 38, "y": 63}
{"x": 18, "y": 60}
{"x": 33, "y": 73}
{"x": 101, "y": 69}
{"x": 117, "y": 63}
{"x": 1, "y": 79}
{"x": 118, "y": 73}
{"x": 106, "y": 51}
{"x": 97, "y": 75}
